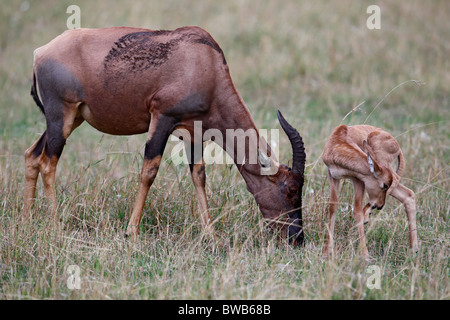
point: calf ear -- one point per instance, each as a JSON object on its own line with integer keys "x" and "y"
{"x": 395, "y": 183}
{"x": 374, "y": 167}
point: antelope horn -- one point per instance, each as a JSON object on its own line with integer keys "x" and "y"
{"x": 298, "y": 150}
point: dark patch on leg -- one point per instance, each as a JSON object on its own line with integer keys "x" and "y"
{"x": 157, "y": 143}
{"x": 56, "y": 84}
{"x": 55, "y": 143}
{"x": 37, "y": 151}
{"x": 194, "y": 153}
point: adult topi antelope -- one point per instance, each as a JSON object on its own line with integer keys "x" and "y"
{"x": 126, "y": 81}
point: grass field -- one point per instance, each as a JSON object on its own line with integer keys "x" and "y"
{"x": 315, "y": 61}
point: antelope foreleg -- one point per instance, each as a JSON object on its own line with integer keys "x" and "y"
{"x": 199, "y": 178}
{"x": 159, "y": 131}
{"x": 194, "y": 151}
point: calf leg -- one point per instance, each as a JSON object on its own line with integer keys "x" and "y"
{"x": 332, "y": 207}
{"x": 367, "y": 212}
{"x": 359, "y": 215}
{"x": 407, "y": 197}
{"x": 160, "y": 128}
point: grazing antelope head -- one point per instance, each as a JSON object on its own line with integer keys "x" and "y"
{"x": 364, "y": 154}
{"x": 279, "y": 195}
{"x": 126, "y": 81}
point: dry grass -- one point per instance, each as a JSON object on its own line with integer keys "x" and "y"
{"x": 315, "y": 61}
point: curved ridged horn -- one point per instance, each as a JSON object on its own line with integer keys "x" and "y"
{"x": 298, "y": 150}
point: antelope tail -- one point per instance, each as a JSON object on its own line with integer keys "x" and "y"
{"x": 35, "y": 95}
{"x": 401, "y": 163}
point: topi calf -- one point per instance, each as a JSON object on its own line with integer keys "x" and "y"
{"x": 364, "y": 154}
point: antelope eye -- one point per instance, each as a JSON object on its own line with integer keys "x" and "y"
{"x": 385, "y": 186}
{"x": 292, "y": 190}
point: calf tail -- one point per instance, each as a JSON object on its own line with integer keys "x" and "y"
{"x": 35, "y": 95}
{"x": 401, "y": 163}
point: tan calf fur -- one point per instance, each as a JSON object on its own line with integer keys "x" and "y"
{"x": 364, "y": 154}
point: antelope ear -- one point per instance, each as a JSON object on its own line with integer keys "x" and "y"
{"x": 365, "y": 146}
{"x": 375, "y": 169}
{"x": 395, "y": 183}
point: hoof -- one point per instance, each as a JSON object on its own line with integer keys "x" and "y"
{"x": 365, "y": 255}
{"x": 327, "y": 253}
{"x": 131, "y": 233}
